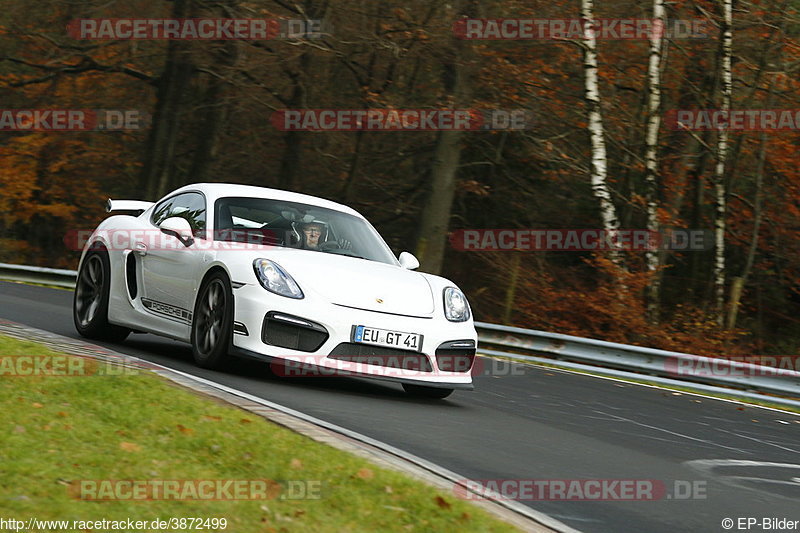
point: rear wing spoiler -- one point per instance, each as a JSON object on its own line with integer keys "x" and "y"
{"x": 134, "y": 207}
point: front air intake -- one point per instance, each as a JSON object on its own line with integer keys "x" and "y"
{"x": 455, "y": 356}
{"x": 292, "y": 332}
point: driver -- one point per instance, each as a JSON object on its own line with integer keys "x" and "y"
{"x": 312, "y": 231}
{"x": 315, "y": 234}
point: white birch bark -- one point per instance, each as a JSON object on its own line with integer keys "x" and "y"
{"x": 651, "y": 154}
{"x": 719, "y": 170}
{"x": 599, "y": 167}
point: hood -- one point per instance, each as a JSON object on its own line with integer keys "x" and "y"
{"x": 359, "y": 283}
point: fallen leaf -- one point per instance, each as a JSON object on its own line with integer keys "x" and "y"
{"x": 37, "y": 405}
{"x": 465, "y": 516}
{"x": 441, "y": 502}
{"x": 62, "y": 414}
{"x": 209, "y": 418}
{"x": 183, "y": 429}
{"x": 365, "y": 473}
{"x": 130, "y": 446}
{"x": 388, "y": 489}
{"x": 297, "y": 464}
{"x": 245, "y": 421}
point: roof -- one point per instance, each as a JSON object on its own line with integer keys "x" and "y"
{"x": 220, "y": 190}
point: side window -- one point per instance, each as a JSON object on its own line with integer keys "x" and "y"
{"x": 190, "y": 205}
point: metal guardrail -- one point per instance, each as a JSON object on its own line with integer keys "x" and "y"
{"x": 528, "y": 344}
{"x": 32, "y": 274}
{"x": 519, "y": 343}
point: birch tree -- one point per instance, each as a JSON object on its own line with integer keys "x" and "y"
{"x": 651, "y": 156}
{"x": 726, "y": 51}
{"x": 599, "y": 166}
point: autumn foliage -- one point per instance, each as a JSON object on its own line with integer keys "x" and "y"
{"x": 211, "y": 103}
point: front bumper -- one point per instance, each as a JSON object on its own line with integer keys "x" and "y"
{"x": 253, "y": 304}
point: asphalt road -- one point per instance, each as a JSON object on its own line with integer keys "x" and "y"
{"x": 539, "y": 424}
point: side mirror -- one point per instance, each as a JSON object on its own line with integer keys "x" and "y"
{"x": 408, "y": 261}
{"x": 180, "y": 228}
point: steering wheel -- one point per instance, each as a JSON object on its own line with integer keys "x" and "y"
{"x": 341, "y": 244}
{"x": 329, "y": 245}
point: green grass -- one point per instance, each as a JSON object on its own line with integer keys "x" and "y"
{"x": 55, "y": 431}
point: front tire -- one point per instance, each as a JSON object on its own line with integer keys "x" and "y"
{"x": 90, "y": 300}
{"x": 423, "y": 391}
{"x": 211, "y": 323}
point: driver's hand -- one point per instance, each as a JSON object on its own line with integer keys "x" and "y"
{"x": 344, "y": 244}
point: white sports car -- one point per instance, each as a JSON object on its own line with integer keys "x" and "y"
{"x": 277, "y": 276}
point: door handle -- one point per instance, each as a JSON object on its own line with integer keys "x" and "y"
{"x": 141, "y": 248}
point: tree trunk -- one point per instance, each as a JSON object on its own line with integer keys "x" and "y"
{"x": 293, "y": 140}
{"x": 155, "y": 177}
{"x": 599, "y": 166}
{"x": 757, "y": 217}
{"x": 511, "y": 290}
{"x": 216, "y": 111}
{"x": 651, "y": 158}
{"x": 436, "y": 212}
{"x": 438, "y": 206}
{"x": 719, "y": 170}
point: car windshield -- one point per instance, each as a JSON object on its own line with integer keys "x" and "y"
{"x": 296, "y": 225}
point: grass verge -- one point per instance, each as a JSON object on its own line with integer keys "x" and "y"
{"x": 59, "y": 430}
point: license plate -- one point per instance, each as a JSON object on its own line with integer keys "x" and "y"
{"x": 385, "y": 337}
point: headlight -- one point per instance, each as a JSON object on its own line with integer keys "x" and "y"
{"x": 456, "y": 308}
{"x": 275, "y": 279}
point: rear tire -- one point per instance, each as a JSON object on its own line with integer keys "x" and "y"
{"x": 90, "y": 299}
{"x": 424, "y": 391}
{"x": 211, "y": 322}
